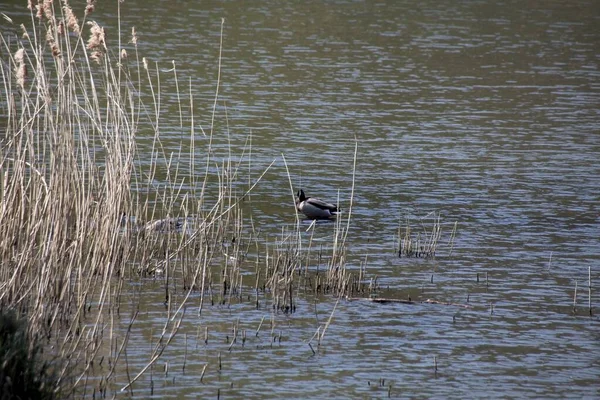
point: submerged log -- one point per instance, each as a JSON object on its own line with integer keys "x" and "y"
{"x": 400, "y": 301}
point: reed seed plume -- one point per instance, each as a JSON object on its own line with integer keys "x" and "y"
{"x": 97, "y": 37}
{"x": 20, "y": 68}
{"x": 48, "y": 10}
{"x": 71, "y": 19}
{"x": 39, "y": 10}
{"x": 134, "y": 38}
{"x": 51, "y": 40}
{"x": 19, "y": 56}
{"x": 25, "y": 35}
{"x": 96, "y": 42}
{"x": 90, "y": 7}
{"x": 60, "y": 29}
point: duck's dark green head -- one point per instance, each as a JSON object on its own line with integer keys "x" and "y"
{"x": 301, "y": 195}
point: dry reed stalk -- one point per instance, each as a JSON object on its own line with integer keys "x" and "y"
{"x": 203, "y": 372}
{"x": 158, "y": 350}
{"x": 184, "y": 353}
{"x": 235, "y": 334}
{"x": 272, "y": 325}
{"x": 317, "y": 335}
{"x": 575, "y": 299}
{"x": 322, "y": 335}
{"x": 312, "y": 349}
{"x": 256, "y": 303}
{"x": 260, "y": 325}
{"x": 590, "y": 290}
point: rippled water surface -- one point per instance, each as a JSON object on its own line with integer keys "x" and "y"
{"x": 486, "y": 113}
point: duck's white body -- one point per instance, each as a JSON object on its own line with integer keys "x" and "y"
{"x": 315, "y": 208}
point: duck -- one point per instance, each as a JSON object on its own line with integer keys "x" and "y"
{"x": 163, "y": 225}
{"x": 315, "y": 208}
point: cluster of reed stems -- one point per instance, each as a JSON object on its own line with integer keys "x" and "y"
{"x": 423, "y": 240}
{"x": 589, "y": 282}
{"x": 80, "y": 212}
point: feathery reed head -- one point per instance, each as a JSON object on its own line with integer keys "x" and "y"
{"x": 97, "y": 36}
{"x": 97, "y": 41}
{"x": 25, "y": 34}
{"x": 134, "y": 38}
{"x": 90, "y": 7}
{"x": 20, "y": 68}
{"x": 51, "y": 40}
{"x": 42, "y": 9}
{"x": 48, "y": 10}
{"x": 71, "y": 19}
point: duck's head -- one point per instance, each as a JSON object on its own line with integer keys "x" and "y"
{"x": 301, "y": 195}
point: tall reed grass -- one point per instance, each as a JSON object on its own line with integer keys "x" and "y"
{"x": 74, "y": 194}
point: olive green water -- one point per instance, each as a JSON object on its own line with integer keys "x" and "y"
{"x": 486, "y": 113}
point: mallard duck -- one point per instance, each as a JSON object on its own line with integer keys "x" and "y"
{"x": 315, "y": 208}
{"x": 163, "y": 225}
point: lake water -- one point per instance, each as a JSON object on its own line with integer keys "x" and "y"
{"x": 486, "y": 113}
